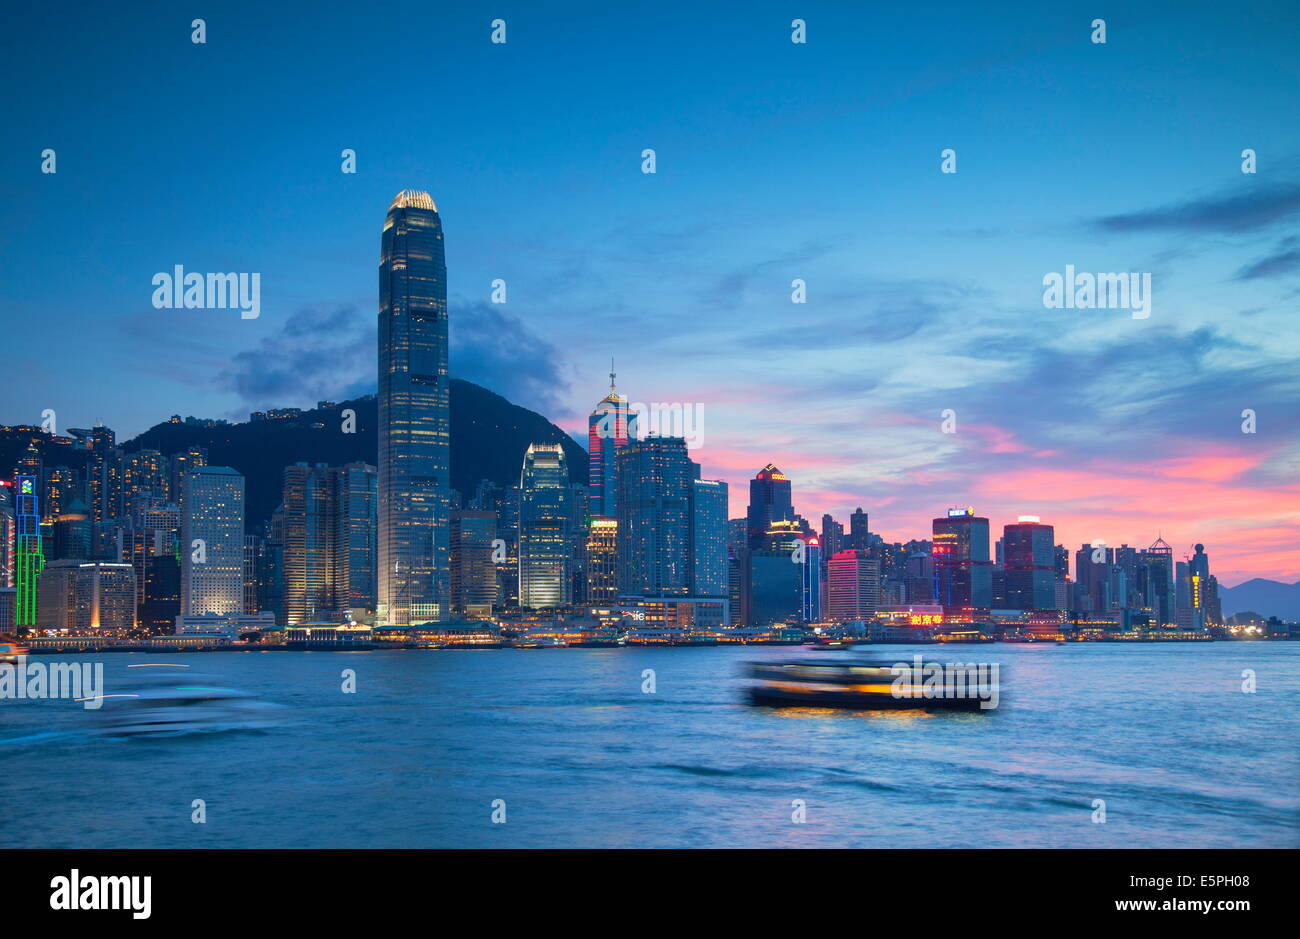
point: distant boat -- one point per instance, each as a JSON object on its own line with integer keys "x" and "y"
{"x": 171, "y": 704}
{"x": 11, "y": 650}
{"x": 832, "y": 682}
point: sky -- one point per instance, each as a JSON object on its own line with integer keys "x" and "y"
{"x": 775, "y": 161}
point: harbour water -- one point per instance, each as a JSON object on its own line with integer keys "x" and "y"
{"x": 583, "y": 757}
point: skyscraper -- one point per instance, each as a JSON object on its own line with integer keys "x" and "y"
{"x": 473, "y": 574}
{"x": 769, "y": 501}
{"x": 544, "y": 519}
{"x": 212, "y": 542}
{"x": 853, "y": 587}
{"x": 709, "y": 538}
{"x": 29, "y": 557}
{"x": 1160, "y": 593}
{"x": 609, "y": 427}
{"x": 328, "y": 540}
{"x": 8, "y": 527}
{"x": 858, "y": 530}
{"x": 1029, "y": 556}
{"x": 812, "y": 580}
{"x": 414, "y": 414}
{"x": 962, "y": 570}
{"x": 602, "y": 560}
{"x": 655, "y": 478}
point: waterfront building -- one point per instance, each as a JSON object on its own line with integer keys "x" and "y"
{"x": 919, "y": 581}
{"x": 1028, "y": 559}
{"x": 414, "y": 415}
{"x": 602, "y": 561}
{"x": 29, "y": 556}
{"x": 88, "y": 596}
{"x": 709, "y": 576}
{"x": 1160, "y": 593}
{"x": 329, "y": 536}
{"x": 473, "y": 574}
{"x": 962, "y": 569}
{"x": 812, "y": 580}
{"x": 853, "y": 586}
{"x": 544, "y": 520}
{"x": 655, "y": 488}
{"x": 212, "y": 541}
{"x": 8, "y": 531}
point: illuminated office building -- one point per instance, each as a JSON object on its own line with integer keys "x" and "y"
{"x": 812, "y": 580}
{"x": 1028, "y": 559}
{"x": 853, "y": 586}
{"x": 29, "y": 556}
{"x": 769, "y": 501}
{"x": 473, "y": 573}
{"x": 212, "y": 542}
{"x": 544, "y": 519}
{"x": 329, "y": 540}
{"x": 88, "y": 596}
{"x": 709, "y": 538}
{"x": 602, "y": 560}
{"x": 963, "y": 572}
{"x": 609, "y": 427}
{"x": 414, "y": 415}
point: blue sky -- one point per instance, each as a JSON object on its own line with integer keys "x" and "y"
{"x": 775, "y": 161}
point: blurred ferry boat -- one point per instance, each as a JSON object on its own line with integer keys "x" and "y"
{"x": 844, "y": 682}
{"x": 11, "y": 650}
{"x": 168, "y": 704}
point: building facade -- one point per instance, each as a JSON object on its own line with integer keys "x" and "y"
{"x": 414, "y": 415}
{"x": 212, "y": 542}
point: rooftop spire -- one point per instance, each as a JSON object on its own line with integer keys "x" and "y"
{"x": 611, "y": 373}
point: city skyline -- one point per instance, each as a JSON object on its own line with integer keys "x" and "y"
{"x": 923, "y": 289}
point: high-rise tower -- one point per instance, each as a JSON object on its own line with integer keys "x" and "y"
{"x": 544, "y": 519}
{"x": 30, "y": 559}
{"x": 608, "y": 429}
{"x": 769, "y": 501}
{"x": 414, "y": 414}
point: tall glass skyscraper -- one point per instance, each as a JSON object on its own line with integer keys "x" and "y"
{"x": 414, "y": 415}
{"x": 655, "y": 531}
{"x": 328, "y": 538}
{"x": 609, "y": 427}
{"x": 709, "y": 538}
{"x": 544, "y": 519}
{"x": 29, "y": 556}
{"x": 963, "y": 572}
{"x": 769, "y": 501}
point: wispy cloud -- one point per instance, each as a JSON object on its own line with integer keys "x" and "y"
{"x": 1258, "y": 208}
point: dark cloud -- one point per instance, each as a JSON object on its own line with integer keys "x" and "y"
{"x": 330, "y": 354}
{"x": 317, "y": 354}
{"x": 1136, "y": 395}
{"x": 1259, "y": 208}
{"x": 1284, "y": 260}
{"x": 497, "y": 350}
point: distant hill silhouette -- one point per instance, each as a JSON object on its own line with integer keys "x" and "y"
{"x": 1267, "y": 597}
{"x": 488, "y": 438}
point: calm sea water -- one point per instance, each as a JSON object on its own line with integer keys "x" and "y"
{"x": 583, "y": 758}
